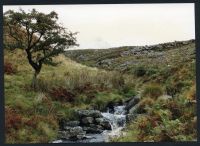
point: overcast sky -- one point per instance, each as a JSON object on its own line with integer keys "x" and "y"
{"x": 104, "y": 26}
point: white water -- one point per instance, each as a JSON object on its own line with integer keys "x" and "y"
{"x": 117, "y": 121}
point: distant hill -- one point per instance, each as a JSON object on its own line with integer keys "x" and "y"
{"x": 126, "y": 58}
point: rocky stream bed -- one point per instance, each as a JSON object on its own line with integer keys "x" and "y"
{"x": 97, "y": 126}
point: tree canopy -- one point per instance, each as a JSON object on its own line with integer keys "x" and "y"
{"x": 40, "y": 35}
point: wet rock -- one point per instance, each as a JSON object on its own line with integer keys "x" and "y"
{"x": 93, "y": 129}
{"x": 67, "y": 128}
{"x": 133, "y": 110}
{"x": 72, "y": 133}
{"x": 72, "y": 123}
{"x": 87, "y": 120}
{"x": 132, "y": 102}
{"x": 121, "y": 122}
{"x": 106, "y": 125}
{"x": 63, "y": 134}
{"x": 99, "y": 120}
{"x": 77, "y": 131}
{"x": 89, "y": 113}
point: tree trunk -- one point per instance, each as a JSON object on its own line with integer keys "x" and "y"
{"x": 34, "y": 80}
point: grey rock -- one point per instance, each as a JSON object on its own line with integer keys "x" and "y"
{"x": 133, "y": 110}
{"x": 63, "y": 134}
{"x": 72, "y": 123}
{"x": 82, "y": 57}
{"x": 99, "y": 120}
{"x": 72, "y": 133}
{"x": 132, "y": 102}
{"x": 106, "y": 62}
{"x": 106, "y": 125}
{"x": 87, "y": 120}
{"x": 89, "y": 113}
{"x": 92, "y": 129}
{"x": 67, "y": 128}
{"x": 125, "y": 53}
{"x": 77, "y": 133}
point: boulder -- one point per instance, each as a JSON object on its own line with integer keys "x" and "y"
{"x": 72, "y": 133}
{"x": 93, "y": 128}
{"x": 99, "y": 120}
{"x": 133, "y": 110}
{"x": 104, "y": 123}
{"x": 72, "y": 123}
{"x": 87, "y": 120}
{"x": 121, "y": 121}
{"x": 76, "y": 131}
{"x": 63, "y": 134}
{"x": 132, "y": 102}
{"x": 89, "y": 113}
{"x": 67, "y": 128}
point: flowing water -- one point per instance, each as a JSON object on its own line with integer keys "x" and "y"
{"x": 117, "y": 119}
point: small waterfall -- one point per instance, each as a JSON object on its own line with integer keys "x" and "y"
{"x": 117, "y": 120}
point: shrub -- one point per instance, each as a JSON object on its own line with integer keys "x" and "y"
{"x": 128, "y": 91}
{"x": 83, "y": 99}
{"x": 9, "y": 68}
{"x": 153, "y": 91}
{"x": 103, "y": 99}
{"x": 151, "y": 71}
{"x": 191, "y": 95}
{"x": 144, "y": 105}
{"x": 62, "y": 94}
{"x": 140, "y": 71}
{"x": 12, "y": 120}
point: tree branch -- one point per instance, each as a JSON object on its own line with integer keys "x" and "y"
{"x": 37, "y": 41}
{"x": 14, "y": 35}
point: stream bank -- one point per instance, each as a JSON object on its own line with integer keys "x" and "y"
{"x": 97, "y": 126}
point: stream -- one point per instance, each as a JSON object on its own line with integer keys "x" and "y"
{"x": 117, "y": 120}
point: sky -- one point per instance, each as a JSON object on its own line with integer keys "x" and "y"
{"x": 114, "y": 25}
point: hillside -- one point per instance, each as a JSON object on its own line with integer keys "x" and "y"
{"x": 162, "y": 75}
{"x": 148, "y": 63}
{"x": 167, "y": 69}
{"x": 33, "y": 116}
{"x": 125, "y": 59}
